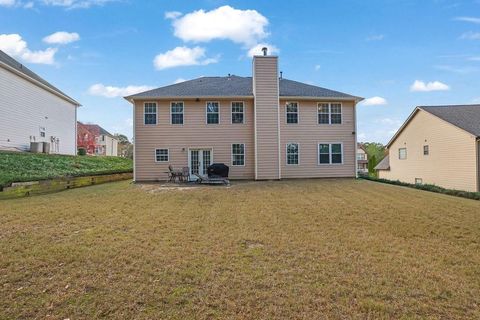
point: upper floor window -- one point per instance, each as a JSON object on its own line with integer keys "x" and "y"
{"x": 292, "y": 153}
{"x": 176, "y": 112}
{"x": 150, "y": 113}
{"x": 426, "y": 150}
{"x": 292, "y": 112}
{"x": 161, "y": 155}
{"x": 238, "y": 154}
{"x": 361, "y": 156}
{"x": 330, "y": 153}
{"x": 402, "y": 153}
{"x": 238, "y": 112}
{"x": 213, "y": 113}
{"x": 329, "y": 113}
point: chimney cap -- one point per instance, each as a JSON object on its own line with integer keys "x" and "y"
{"x": 265, "y": 50}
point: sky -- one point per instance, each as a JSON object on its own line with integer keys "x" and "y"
{"x": 398, "y": 54}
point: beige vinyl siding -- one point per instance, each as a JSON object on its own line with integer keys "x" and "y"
{"x": 308, "y": 134}
{"x": 194, "y": 133}
{"x": 265, "y": 86}
{"x": 452, "y": 159}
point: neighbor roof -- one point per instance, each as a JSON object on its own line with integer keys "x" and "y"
{"x": 384, "y": 164}
{"x": 17, "y": 66}
{"x": 235, "y": 86}
{"x": 465, "y": 117}
{"x": 96, "y": 127}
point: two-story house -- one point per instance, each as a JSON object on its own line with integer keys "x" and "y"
{"x": 96, "y": 140}
{"x": 362, "y": 159}
{"x": 262, "y": 127}
{"x": 33, "y": 110}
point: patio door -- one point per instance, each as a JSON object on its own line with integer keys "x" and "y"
{"x": 199, "y": 160}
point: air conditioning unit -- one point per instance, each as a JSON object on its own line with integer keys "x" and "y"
{"x": 36, "y": 147}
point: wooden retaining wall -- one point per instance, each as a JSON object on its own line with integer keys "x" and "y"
{"x": 23, "y": 189}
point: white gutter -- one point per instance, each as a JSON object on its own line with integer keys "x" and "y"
{"x": 38, "y": 83}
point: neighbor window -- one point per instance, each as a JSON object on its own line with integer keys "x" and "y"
{"x": 176, "y": 112}
{"x": 418, "y": 180}
{"x": 426, "y": 150}
{"x": 329, "y": 113}
{"x": 292, "y": 112}
{"x": 402, "y": 153}
{"x": 292, "y": 153}
{"x": 150, "y": 113}
{"x": 238, "y": 154}
{"x": 161, "y": 155}
{"x": 330, "y": 153}
{"x": 237, "y": 112}
{"x": 213, "y": 116}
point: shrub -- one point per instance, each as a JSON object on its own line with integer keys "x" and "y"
{"x": 82, "y": 152}
{"x": 428, "y": 187}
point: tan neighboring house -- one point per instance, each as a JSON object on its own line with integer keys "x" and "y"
{"x": 362, "y": 159}
{"x": 262, "y": 127}
{"x": 436, "y": 145}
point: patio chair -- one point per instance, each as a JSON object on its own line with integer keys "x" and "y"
{"x": 185, "y": 174}
{"x": 172, "y": 174}
{"x": 209, "y": 180}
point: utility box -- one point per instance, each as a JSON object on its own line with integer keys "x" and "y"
{"x": 46, "y": 147}
{"x": 36, "y": 147}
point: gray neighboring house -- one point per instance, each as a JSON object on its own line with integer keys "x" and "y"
{"x": 33, "y": 110}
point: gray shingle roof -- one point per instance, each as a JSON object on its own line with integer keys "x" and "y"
{"x": 384, "y": 164}
{"x": 5, "y": 58}
{"x": 466, "y": 117}
{"x": 235, "y": 86}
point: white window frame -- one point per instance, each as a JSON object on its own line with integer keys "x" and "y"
{"x": 298, "y": 154}
{"x": 330, "y": 113}
{"x": 298, "y": 112}
{"x": 330, "y": 154}
{"x": 144, "y": 113}
{"x": 155, "y": 155}
{"x": 206, "y": 113}
{"x": 244, "y": 154}
{"x": 406, "y": 154}
{"x": 231, "y": 112}
{"x": 183, "y": 113}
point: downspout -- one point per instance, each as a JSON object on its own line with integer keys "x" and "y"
{"x": 134, "y": 144}
{"x": 355, "y": 137}
{"x": 477, "y": 146}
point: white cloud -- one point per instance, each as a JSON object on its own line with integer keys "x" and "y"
{"x": 28, "y": 5}
{"x": 459, "y": 70}
{"x": 179, "y": 80}
{"x": 476, "y": 100}
{"x": 14, "y": 45}
{"x": 246, "y": 27}
{"x": 76, "y": 4}
{"x": 375, "y": 37}
{"x": 257, "y": 50}
{"x": 420, "y": 86}
{"x": 7, "y": 3}
{"x": 182, "y": 56}
{"x": 317, "y": 67}
{"x": 470, "y": 35}
{"x": 172, "y": 14}
{"x": 474, "y": 58}
{"x": 374, "y": 101}
{"x": 468, "y": 19}
{"x": 100, "y": 89}
{"x": 62, "y": 37}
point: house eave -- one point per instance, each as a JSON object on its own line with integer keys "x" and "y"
{"x": 41, "y": 85}
{"x": 143, "y": 98}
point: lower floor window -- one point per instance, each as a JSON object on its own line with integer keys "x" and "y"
{"x": 330, "y": 153}
{"x": 292, "y": 153}
{"x": 238, "y": 154}
{"x": 161, "y": 155}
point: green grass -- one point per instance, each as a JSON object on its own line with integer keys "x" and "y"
{"x": 303, "y": 249}
{"x": 19, "y": 167}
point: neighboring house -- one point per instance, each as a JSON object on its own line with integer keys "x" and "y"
{"x": 33, "y": 110}
{"x": 436, "y": 145}
{"x": 362, "y": 159}
{"x": 96, "y": 140}
{"x": 262, "y": 127}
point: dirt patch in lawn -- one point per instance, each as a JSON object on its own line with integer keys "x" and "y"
{"x": 303, "y": 249}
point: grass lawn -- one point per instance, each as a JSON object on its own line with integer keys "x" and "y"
{"x": 19, "y": 167}
{"x": 311, "y": 249}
